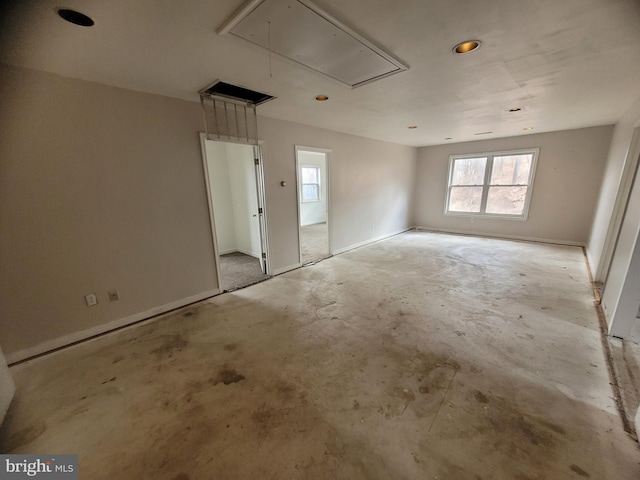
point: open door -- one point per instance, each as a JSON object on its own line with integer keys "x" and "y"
{"x": 314, "y": 222}
{"x": 234, "y": 179}
{"x": 262, "y": 219}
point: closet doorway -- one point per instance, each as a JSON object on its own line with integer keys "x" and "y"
{"x": 314, "y": 225}
{"x": 235, "y": 189}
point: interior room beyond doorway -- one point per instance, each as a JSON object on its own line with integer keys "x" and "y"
{"x": 234, "y": 198}
{"x": 313, "y": 204}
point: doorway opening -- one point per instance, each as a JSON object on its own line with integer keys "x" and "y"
{"x": 235, "y": 189}
{"x": 314, "y": 223}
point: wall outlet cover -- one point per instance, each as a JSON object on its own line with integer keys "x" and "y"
{"x": 91, "y": 299}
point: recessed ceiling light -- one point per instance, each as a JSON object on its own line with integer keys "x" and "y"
{"x": 447, "y": 138}
{"x": 77, "y": 18}
{"x": 528, "y": 128}
{"x": 322, "y": 98}
{"x": 467, "y": 46}
{"x": 483, "y": 133}
{"x": 515, "y": 109}
{"x": 412, "y": 127}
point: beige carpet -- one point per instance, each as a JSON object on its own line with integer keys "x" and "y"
{"x": 238, "y": 270}
{"x": 314, "y": 242}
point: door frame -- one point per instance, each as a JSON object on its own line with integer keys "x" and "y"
{"x": 260, "y": 192}
{"x": 627, "y": 179}
{"x": 327, "y": 157}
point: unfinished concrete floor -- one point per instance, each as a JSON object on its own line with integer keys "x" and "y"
{"x": 425, "y": 356}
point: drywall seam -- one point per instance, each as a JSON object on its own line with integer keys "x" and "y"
{"x": 371, "y": 240}
{"x": 506, "y": 237}
{"x": 67, "y": 340}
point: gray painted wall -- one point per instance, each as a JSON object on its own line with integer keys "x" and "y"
{"x": 568, "y": 172}
{"x": 7, "y": 387}
{"x": 104, "y": 188}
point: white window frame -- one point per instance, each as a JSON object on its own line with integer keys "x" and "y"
{"x": 487, "y": 178}
{"x": 317, "y": 168}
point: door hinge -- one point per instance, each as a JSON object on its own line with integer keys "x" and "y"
{"x": 264, "y": 256}
{"x": 257, "y": 161}
{"x": 260, "y": 210}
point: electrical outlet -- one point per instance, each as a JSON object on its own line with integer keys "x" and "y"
{"x": 114, "y": 295}
{"x": 91, "y": 299}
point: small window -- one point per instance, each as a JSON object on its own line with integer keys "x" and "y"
{"x": 310, "y": 183}
{"x": 491, "y": 184}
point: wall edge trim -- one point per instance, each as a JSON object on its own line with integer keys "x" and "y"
{"x": 49, "y": 346}
{"x": 371, "y": 240}
{"x": 569, "y": 243}
{"x": 288, "y": 268}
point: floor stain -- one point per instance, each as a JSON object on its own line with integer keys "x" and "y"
{"x": 181, "y": 476}
{"x": 226, "y": 375}
{"x": 24, "y": 437}
{"x": 480, "y": 397}
{"x": 285, "y": 389}
{"x": 171, "y": 344}
{"x": 112, "y": 379}
{"x": 579, "y": 471}
{"x": 230, "y": 347}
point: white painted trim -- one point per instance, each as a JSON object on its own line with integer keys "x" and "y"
{"x": 71, "y": 338}
{"x": 568, "y": 243}
{"x": 212, "y": 219}
{"x": 248, "y": 253}
{"x": 625, "y": 184}
{"x": 486, "y": 183}
{"x": 371, "y": 240}
{"x": 279, "y": 271}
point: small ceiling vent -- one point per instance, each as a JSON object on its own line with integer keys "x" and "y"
{"x": 302, "y": 32}
{"x": 234, "y": 92}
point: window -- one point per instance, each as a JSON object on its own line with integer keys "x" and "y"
{"x": 310, "y": 183}
{"x": 491, "y": 184}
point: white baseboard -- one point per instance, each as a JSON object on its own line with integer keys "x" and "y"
{"x": 499, "y": 236}
{"x": 224, "y": 252}
{"x": 278, "y": 271}
{"x": 371, "y": 240}
{"x": 251, "y": 254}
{"x": 71, "y": 338}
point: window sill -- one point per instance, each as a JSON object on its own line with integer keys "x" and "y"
{"x": 488, "y": 216}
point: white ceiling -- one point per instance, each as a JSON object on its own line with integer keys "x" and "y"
{"x": 566, "y": 63}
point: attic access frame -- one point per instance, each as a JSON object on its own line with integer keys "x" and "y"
{"x": 229, "y": 120}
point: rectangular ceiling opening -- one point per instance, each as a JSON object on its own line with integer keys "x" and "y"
{"x": 227, "y": 90}
{"x": 300, "y": 31}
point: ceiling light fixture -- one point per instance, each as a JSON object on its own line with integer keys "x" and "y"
{"x": 467, "y": 46}
{"x": 322, "y": 98}
{"x": 77, "y": 18}
{"x": 528, "y": 128}
{"x": 447, "y": 138}
{"x": 483, "y": 133}
{"x": 412, "y": 127}
{"x": 515, "y": 109}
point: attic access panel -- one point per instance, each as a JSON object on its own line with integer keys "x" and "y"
{"x": 237, "y": 93}
{"x": 300, "y": 31}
